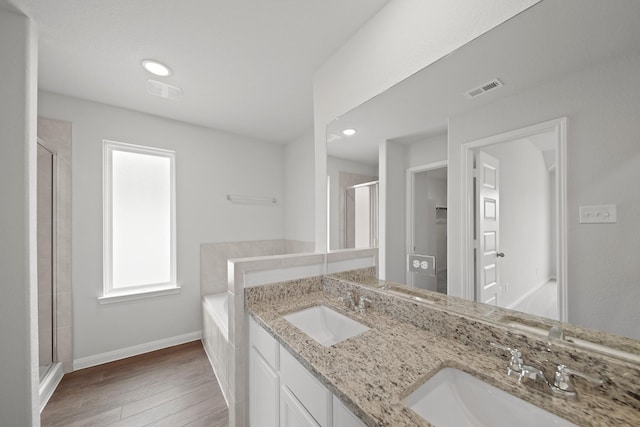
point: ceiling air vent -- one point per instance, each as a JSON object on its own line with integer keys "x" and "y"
{"x": 482, "y": 89}
{"x": 163, "y": 90}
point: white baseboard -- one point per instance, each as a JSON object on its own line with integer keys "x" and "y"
{"x": 123, "y": 353}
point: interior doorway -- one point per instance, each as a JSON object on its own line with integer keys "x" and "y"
{"x": 515, "y": 240}
{"x": 427, "y": 226}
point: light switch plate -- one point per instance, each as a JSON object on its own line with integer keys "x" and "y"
{"x": 422, "y": 264}
{"x": 603, "y": 214}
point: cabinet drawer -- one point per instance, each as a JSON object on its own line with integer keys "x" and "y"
{"x": 264, "y": 343}
{"x": 310, "y": 392}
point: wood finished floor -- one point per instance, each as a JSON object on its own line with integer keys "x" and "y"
{"x": 171, "y": 387}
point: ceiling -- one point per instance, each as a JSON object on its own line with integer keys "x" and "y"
{"x": 244, "y": 66}
{"x": 550, "y": 40}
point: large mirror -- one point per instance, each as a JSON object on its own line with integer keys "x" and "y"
{"x": 508, "y": 171}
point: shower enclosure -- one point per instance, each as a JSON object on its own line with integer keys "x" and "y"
{"x": 54, "y": 300}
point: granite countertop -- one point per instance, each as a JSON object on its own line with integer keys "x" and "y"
{"x": 372, "y": 373}
{"x": 409, "y": 342}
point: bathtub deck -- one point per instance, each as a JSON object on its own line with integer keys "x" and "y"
{"x": 170, "y": 387}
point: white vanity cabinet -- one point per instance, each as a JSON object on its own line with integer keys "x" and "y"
{"x": 264, "y": 381}
{"x": 284, "y": 393}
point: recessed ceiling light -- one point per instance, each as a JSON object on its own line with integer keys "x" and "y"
{"x": 349, "y": 132}
{"x": 156, "y": 68}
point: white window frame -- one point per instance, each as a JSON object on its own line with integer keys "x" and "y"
{"x": 110, "y": 294}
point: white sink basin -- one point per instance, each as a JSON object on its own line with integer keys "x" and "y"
{"x": 455, "y": 398}
{"x": 324, "y": 325}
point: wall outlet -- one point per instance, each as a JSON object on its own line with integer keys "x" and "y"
{"x": 603, "y": 214}
{"x": 422, "y": 264}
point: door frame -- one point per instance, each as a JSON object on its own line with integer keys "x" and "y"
{"x": 410, "y": 178}
{"x": 559, "y": 128}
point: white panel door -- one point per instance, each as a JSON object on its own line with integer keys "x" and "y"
{"x": 487, "y": 229}
{"x": 264, "y": 408}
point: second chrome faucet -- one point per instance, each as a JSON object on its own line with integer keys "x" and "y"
{"x": 562, "y": 381}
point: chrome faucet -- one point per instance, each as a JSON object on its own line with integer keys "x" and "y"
{"x": 562, "y": 381}
{"x": 517, "y": 366}
{"x": 348, "y": 300}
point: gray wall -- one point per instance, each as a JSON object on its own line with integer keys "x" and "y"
{"x": 209, "y": 165}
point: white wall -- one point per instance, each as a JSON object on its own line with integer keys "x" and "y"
{"x": 299, "y": 197}
{"x": 209, "y": 165}
{"x": 525, "y": 218}
{"x": 603, "y": 156}
{"x": 404, "y": 37}
{"x": 19, "y": 401}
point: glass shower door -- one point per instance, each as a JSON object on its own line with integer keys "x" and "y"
{"x": 46, "y": 286}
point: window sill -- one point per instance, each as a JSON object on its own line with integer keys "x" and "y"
{"x": 139, "y": 294}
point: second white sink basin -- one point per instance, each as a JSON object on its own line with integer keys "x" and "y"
{"x": 455, "y": 398}
{"x": 325, "y": 325}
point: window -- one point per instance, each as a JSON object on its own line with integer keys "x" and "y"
{"x": 139, "y": 222}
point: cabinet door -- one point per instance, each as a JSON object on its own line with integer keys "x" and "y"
{"x": 343, "y": 417}
{"x": 264, "y": 392}
{"x": 310, "y": 392}
{"x": 292, "y": 413}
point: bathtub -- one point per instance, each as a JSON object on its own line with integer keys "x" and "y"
{"x": 215, "y": 336}
{"x": 217, "y": 306}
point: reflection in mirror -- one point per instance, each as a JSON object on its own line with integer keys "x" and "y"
{"x": 427, "y": 227}
{"x": 353, "y": 204}
{"x": 548, "y": 102}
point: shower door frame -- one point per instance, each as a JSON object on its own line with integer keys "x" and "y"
{"x": 54, "y": 257}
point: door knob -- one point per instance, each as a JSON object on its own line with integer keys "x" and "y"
{"x": 500, "y": 254}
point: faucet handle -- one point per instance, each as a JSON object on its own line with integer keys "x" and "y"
{"x": 362, "y": 304}
{"x": 562, "y": 381}
{"x": 516, "y": 361}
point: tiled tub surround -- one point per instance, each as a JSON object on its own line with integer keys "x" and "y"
{"x": 410, "y": 341}
{"x": 215, "y": 338}
{"x": 214, "y": 286}
{"x": 214, "y": 257}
